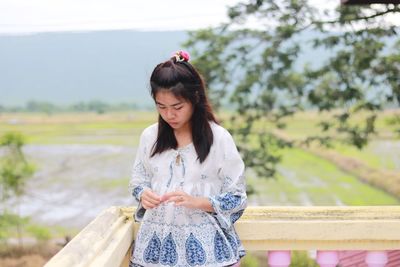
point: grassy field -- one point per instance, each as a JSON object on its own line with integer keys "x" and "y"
{"x": 303, "y": 178}
{"x": 121, "y": 128}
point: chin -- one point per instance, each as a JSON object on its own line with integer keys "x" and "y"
{"x": 175, "y": 126}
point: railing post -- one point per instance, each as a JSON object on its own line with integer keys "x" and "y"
{"x": 278, "y": 258}
{"x": 327, "y": 258}
{"x": 376, "y": 258}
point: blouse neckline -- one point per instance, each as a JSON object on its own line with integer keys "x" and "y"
{"x": 184, "y": 148}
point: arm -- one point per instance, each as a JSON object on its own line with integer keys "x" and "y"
{"x": 231, "y": 202}
{"x": 140, "y": 183}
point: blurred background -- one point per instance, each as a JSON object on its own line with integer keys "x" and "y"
{"x": 310, "y": 91}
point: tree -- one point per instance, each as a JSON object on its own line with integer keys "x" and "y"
{"x": 14, "y": 170}
{"x": 262, "y": 71}
{"x": 40, "y": 106}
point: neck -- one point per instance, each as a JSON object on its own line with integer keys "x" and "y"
{"x": 183, "y": 135}
{"x": 184, "y": 130}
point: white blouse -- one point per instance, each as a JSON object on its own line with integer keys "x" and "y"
{"x": 177, "y": 236}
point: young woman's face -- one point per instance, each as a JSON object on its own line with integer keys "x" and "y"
{"x": 177, "y": 112}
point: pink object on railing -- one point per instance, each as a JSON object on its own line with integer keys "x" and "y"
{"x": 376, "y": 258}
{"x": 279, "y": 258}
{"x": 327, "y": 258}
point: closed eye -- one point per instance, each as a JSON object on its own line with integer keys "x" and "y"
{"x": 161, "y": 107}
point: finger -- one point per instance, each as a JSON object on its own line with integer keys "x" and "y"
{"x": 151, "y": 200}
{"x": 154, "y": 195}
{"x": 170, "y": 195}
{"x": 150, "y": 195}
{"x": 148, "y": 205}
{"x": 177, "y": 199}
{"x": 164, "y": 198}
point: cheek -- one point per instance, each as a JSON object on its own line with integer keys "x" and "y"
{"x": 188, "y": 114}
{"x": 161, "y": 113}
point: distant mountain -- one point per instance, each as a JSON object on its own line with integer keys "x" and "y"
{"x": 109, "y": 66}
{"x": 65, "y": 68}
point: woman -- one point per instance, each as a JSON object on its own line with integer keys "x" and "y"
{"x": 188, "y": 177}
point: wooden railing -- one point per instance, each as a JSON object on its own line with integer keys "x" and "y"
{"x": 106, "y": 240}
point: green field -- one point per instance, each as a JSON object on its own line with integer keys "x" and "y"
{"x": 89, "y": 128}
{"x": 302, "y": 178}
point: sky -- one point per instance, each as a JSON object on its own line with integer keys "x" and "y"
{"x": 29, "y": 16}
{"x": 32, "y": 16}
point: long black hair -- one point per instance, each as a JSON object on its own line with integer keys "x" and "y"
{"x": 181, "y": 79}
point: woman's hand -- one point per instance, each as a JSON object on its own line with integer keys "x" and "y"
{"x": 150, "y": 200}
{"x": 183, "y": 199}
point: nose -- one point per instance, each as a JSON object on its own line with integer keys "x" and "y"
{"x": 170, "y": 114}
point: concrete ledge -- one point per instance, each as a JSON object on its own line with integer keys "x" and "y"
{"x": 323, "y": 228}
{"x": 106, "y": 240}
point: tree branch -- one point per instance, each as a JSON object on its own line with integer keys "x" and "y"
{"x": 392, "y": 10}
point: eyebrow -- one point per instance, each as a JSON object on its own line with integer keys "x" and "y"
{"x": 173, "y": 105}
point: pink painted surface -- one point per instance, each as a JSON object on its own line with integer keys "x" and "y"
{"x": 327, "y": 258}
{"x": 376, "y": 258}
{"x": 357, "y": 258}
{"x": 279, "y": 258}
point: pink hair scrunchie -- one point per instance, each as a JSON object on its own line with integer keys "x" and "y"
{"x": 181, "y": 56}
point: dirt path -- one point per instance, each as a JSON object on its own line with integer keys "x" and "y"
{"x": 33, "y": 260}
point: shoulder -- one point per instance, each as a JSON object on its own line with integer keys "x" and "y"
{"x": 149, "y": 134}
{"x": 224, "y": 143}
{"x": 220, "y": 133}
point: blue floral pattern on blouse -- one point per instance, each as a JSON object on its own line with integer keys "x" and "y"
{"x": 232, "y": 241}
{"x": 137, "y": 192}
{"x": 168, "y": 251}
{"x": 152, "y": 252}
{"x": 195, "y": 254}
{"x": 229, "y": 201}
{"x": 235, "y": 216}
{"x": 221, "y": 249}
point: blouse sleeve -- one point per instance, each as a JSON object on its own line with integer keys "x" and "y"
{"x": 229, "y": 205}
{"x": 141, "y": 175}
